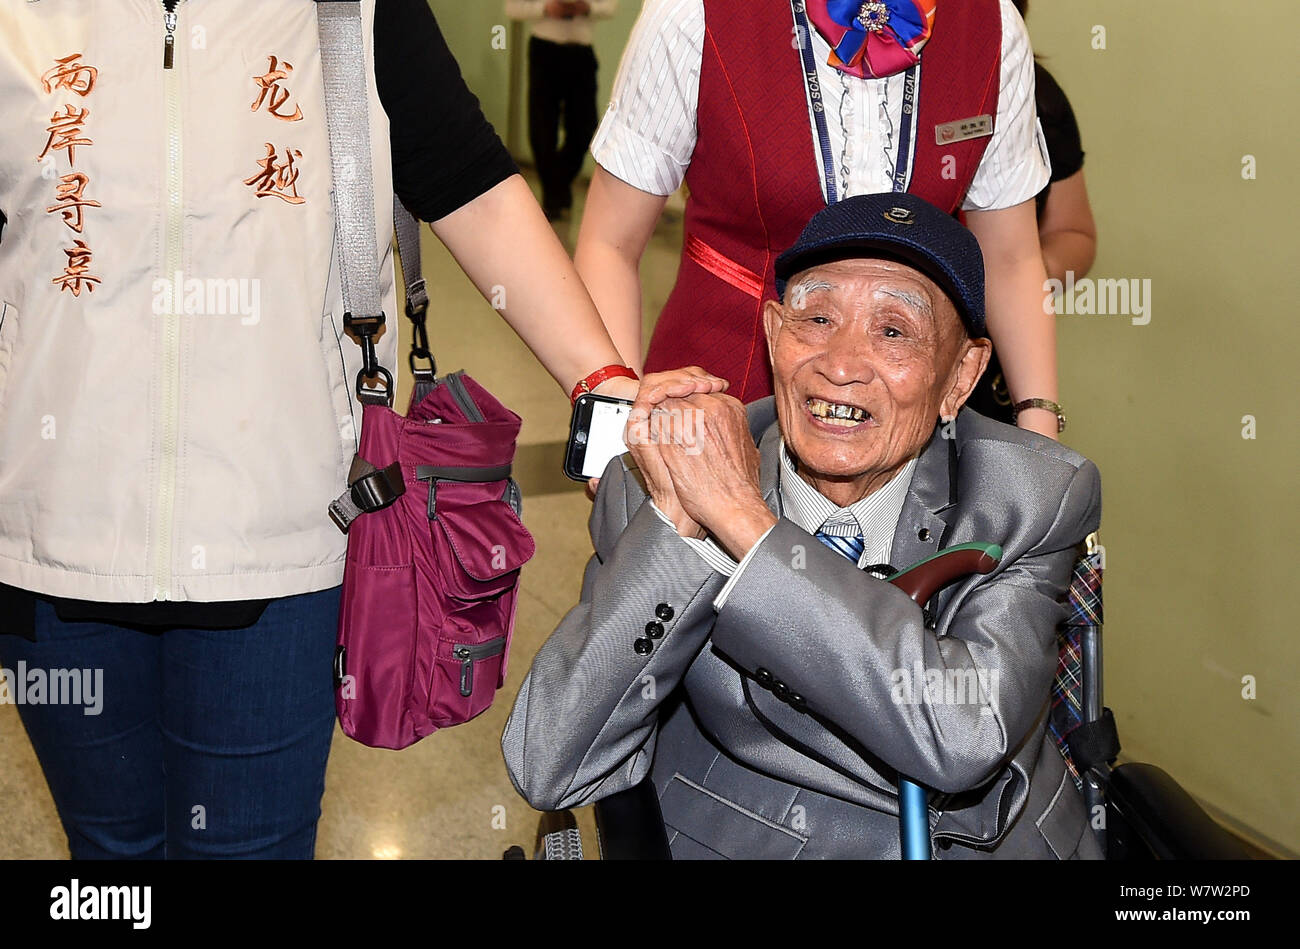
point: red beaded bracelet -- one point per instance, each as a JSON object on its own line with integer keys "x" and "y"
{"x": 599, "y": 376}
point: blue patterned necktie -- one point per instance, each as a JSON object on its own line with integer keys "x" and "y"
{"x": 850, "y": 548}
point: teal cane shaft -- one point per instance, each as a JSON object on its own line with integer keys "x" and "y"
{"x": 914, "y": 817}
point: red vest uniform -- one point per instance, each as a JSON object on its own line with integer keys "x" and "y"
{"x": 754, "y": 179}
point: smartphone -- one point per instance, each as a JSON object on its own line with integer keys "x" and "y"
{"x": 595, "y": 435}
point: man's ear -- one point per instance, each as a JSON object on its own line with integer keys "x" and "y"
{"x": 975, "y": 355}
{"x": 772, "y": 319}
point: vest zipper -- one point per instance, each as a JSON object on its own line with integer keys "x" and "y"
{"x": 163, "y": 522}
{"x": 169, "y": 40}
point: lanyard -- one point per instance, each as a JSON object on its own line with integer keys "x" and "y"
{"x": 907, "y": 129}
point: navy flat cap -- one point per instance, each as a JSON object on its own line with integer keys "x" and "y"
{"x": 896, "y": 226}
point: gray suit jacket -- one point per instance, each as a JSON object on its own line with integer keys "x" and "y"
{"x": 744, "y": 771}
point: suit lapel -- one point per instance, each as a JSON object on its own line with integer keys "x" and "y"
{"x": 769, "y": 468}
{"x": 920, "y": 531}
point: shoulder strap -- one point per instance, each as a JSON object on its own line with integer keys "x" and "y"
{"x": 347, "y": 114}
{"x": 407, "y": 229}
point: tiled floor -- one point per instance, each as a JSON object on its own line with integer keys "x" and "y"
{"x": 449, "y": 795}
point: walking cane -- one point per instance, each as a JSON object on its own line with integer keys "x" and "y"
{"x": 920, "y": 582}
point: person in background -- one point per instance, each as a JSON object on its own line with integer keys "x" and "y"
{"x": 1065, "y": 225}
{"x": 165, "y": 473}
{"x": 561, "y": 81}
{"x": 1066, "y": 229}
{"x": 721, "y": 94}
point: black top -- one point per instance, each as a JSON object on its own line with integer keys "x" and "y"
{"x": 1064, "y": 146}
{"x": 444, "y": 153}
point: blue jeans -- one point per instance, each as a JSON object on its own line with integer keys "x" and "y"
{"x": 207, "y": 743}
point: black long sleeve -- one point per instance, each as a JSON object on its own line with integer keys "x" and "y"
{"x": 445, "y": 152}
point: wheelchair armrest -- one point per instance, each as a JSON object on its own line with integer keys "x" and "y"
{"x": 630, "y": 825}
{"x": 1166, "y": 819}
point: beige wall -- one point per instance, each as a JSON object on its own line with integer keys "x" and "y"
{"x": 1198, "y": 523}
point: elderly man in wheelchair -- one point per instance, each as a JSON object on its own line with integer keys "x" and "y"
{"x": 753, "y": 672}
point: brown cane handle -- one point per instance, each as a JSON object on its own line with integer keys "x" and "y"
{"x": 922, "y": 580}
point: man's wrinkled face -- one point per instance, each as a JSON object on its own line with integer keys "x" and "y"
{"x": 866, "y": 356}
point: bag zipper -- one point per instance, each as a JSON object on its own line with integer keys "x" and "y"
{"x": 467, "y": 653}
{"x": 466, "y": 402}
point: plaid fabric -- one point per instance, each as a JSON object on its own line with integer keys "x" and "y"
{"x": 1084, "y": 600}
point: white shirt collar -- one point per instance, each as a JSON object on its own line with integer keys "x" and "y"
{"x": 875, "y": 516}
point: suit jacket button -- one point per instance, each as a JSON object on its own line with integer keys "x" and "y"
{"x": 664, "y": 612}
{"x": 798, "y": 701}
{"x": 764, "y": 678}
{"x": 643, "y": 646}
{"x": 781, "y": 691}
{"x": 654, "y": 630}
{"x": 923, "y": 534}
{"x": 944, "y": 844}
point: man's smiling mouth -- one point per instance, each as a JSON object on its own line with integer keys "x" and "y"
{"x": 839, "y": 414}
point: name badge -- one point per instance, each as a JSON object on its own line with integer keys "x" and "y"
{"x": 950, "y": 133}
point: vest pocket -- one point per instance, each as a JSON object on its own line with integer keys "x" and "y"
{"x": 332, "y": 342}
{"x": 8, "y": 334}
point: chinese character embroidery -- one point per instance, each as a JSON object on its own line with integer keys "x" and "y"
{"x": 277, "y": 178}
{"x": 69, "y": 193}
{"x": 269, "y": 87}
{"x": 65, "y": 130}
{"x": 67, "y": 73}
{"x": 280, "y": 180}
{"x": 75, "y": 276}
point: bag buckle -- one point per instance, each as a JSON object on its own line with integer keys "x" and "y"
{"x": 373, "y": 490}
{"x": 417, "y": 309}
{"x": 365, "y": 329}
